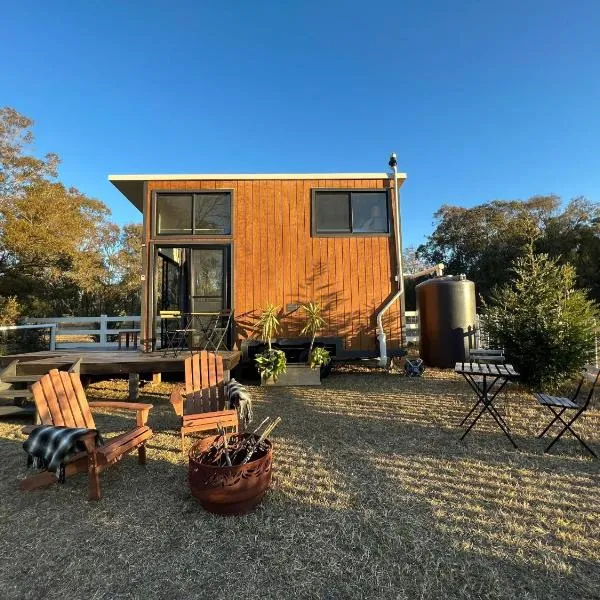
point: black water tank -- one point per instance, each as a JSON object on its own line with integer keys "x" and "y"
{"x": 446, "y": 308}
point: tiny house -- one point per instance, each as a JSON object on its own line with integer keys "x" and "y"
{"x": 240, "y": 241}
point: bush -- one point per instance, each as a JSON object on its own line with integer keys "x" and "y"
{"x": 546, "y": 327}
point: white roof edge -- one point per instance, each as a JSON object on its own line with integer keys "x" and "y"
{"x": 250, "y": 176}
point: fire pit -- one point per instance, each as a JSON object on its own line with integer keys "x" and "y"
{"x": 230, "y": 490}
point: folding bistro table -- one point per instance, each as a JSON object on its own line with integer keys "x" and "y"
{"x": 482, "y": 378}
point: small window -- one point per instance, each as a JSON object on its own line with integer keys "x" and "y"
{"x": 350, "y": 212}
{"x": 212, "y": 214}
{"x": 174, "y": 214}
{"x": 204, "y": 213}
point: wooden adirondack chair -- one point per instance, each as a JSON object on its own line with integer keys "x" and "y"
{"x": 201, "y": 402}
{"x": 60, "y": 400}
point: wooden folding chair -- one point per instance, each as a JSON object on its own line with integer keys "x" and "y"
{"x": 573, "y": 403}
{"x": 60, "y": 400}
{"x": 201, "y": 402}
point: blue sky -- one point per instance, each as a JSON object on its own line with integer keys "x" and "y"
{"x": 480, "y": 100}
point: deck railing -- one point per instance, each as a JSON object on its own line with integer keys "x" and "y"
{"x": 50, "y": 326}
{"x": 92, "y": 332}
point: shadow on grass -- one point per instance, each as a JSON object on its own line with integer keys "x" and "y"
{"x": 373, "y": 496}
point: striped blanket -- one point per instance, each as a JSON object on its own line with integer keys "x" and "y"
{"x": 50, "y": 447}
{"x": 239, "y": 398}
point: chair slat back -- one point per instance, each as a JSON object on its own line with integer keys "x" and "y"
{"x": 204, "y": 385}
{"x": 591, "y": 374}
{"x": 488, "y": 355}
{"x": 60, "y": 400}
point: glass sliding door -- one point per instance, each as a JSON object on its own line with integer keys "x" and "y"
{"x": 195, "y": 280}
{"x": 209, "y": 285}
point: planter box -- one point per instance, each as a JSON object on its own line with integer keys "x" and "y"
{"x": 296, "y": 374}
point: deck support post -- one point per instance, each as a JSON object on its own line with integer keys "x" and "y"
{"x": 134, "y": 386}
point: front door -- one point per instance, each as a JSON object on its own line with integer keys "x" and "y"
{"x": 195, "y": 280}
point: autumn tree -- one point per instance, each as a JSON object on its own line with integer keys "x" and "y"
{"x": 59, "y": 251}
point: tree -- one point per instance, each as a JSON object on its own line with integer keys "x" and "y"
{"x": 59, "y": 252}
{"x": 18, "y": 169}
{"x": 483, "y": 240}
{"x": 546, "y": 327}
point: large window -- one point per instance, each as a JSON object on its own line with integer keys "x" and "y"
{"x": 347, "y": 212}
{"x": 204, "y": 213}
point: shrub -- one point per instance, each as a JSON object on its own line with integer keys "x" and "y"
{"x": 546, "y": 327}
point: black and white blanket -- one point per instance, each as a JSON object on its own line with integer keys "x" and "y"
{"x": 50, "y": 447}
{"x": 239, "y": 398}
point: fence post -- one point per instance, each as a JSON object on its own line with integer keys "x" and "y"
{"x": 52, "y": 336}
{"x": 103, "y": 330}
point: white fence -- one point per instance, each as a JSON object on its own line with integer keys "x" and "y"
{"x": 92, "y": 332}
{"x": 49, "y": 326}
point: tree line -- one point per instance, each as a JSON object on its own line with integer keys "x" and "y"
{"x": 60, "y": 254}
{"x": 485, "y": 241}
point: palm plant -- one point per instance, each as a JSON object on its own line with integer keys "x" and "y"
{"x": 270, "y": 363}
{"x": 314, "y": 323}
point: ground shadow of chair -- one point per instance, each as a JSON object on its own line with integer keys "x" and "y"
{"x": 201, "y": 402}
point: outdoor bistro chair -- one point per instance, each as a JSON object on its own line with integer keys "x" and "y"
{"x": 217, "y": 330}
{"x": 574, "y": 403}
{"x": 489, "y": 356}
{"x": 175, "y": 338}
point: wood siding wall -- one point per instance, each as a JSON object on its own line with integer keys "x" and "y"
{"x": 275, "y": 259}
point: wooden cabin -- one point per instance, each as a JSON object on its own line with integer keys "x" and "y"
{"x": 242, "y": 241}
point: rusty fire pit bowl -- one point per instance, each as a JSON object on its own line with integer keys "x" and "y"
{"x": 229, "y": 490}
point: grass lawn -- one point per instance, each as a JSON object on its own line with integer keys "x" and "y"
{"x": 373, "y": 496}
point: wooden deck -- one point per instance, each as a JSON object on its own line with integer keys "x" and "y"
{"x": 116, "y": 362}
{"x": 108, "y": 363}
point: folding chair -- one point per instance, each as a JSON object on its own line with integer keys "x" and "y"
{"x": 490, "y": 356}
{"x": 218, "y": 330}
{"x": 563, "y": 404}
{"x": 175, "y": 338}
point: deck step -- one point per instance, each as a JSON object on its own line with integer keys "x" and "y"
{"x": 17, "y": 411}
{"x": 21, "y": 378}
{"x": 16, "y": 393}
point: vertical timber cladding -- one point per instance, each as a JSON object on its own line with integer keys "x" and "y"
{"x": 276, "y": 259}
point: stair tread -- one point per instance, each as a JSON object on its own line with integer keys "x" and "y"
{"x": 16, "y": 393}
{"x": 21, "y": 378}
{"x": 14, "y": 411}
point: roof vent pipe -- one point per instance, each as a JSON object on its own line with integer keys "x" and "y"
{"x": 381, "y": 337}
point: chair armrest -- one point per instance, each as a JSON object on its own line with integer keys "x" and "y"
{"x": 177, "y": 396}
{"x": 28, "y": 429}
{"x": 142, "y": 409}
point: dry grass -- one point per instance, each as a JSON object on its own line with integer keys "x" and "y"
{"x": 373, "y": 497}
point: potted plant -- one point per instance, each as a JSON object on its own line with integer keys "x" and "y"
{"x": 317, "y": 356}
{"x": 271, "y": 363}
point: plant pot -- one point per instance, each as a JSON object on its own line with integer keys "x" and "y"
{"x": 229, "y": 490}
{"x": 296, "y": 374}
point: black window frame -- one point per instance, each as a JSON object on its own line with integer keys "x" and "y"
{"x": 316, "y": 233}
{"x": 193, "y": 194}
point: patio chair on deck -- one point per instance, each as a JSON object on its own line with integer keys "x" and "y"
{"x": 201, "y": 402}
{"x": 217, "y": 330}
{"x": 574, "y": 403}
{"x": 176, "y": 338}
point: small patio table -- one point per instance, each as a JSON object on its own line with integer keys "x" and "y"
{"x": 491, "y": 375}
